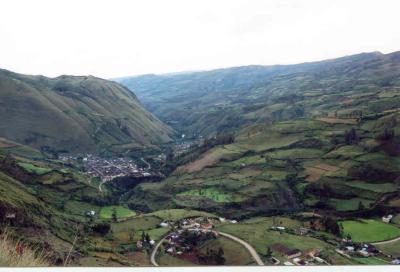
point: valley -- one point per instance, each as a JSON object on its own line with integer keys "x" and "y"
{"x": 281, "y": 165}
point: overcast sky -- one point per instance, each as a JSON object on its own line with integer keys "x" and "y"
{"x": 119, "y": 38}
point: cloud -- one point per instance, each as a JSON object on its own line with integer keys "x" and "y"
{"x": 124, "y": 37}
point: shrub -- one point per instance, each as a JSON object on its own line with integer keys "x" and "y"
{"x": 18, "y": 254}
{"x": 101, "y": 228}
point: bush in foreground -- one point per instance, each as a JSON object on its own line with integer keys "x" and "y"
{"x": 17, "y": 254}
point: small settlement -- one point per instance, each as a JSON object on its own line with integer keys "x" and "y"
{"x": 106, "y": 168}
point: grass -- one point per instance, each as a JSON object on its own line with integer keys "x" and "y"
{"x": 210, "y": 193}
{"x": 34, "y": 169}
{"x": 257, "y": 233}
{"x": 345, "y": 152}
{"x": 371, "y": 261}
{"x": 375, "y": 187}
{"x": 158, "y": 233}
{"x": 131, "y": 230}
{"x": 249, "y": 160}
{"x": 396, "y": 219}
{"x": 349, "y": 204}
{"x": 80, "y": 208}
{"x": 391, "y": 248}
{"x": 121, "y": 212}
{"x": 168, "y": 260}
{"x": 28, "y": 257}
{"x": 176, "y": 214}
{"x": 137, "y": 223}
{"x": 234, "y": 253}
{"x": 296, "y": 153}
{"x": 369, "y": 230}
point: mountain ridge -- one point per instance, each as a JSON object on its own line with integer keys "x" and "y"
{"x": 74, "y": 113}
{"x": 205, "y": 103}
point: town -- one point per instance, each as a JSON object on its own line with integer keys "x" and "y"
{"x": 107, "y": 168}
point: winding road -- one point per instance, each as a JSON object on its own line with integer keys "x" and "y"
{"x": 249, "y": 248}
{"x": 148, "y": 164}
{"x": 386, "y": 242}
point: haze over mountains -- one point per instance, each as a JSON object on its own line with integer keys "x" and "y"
{"x": 75, "y": 113}
{"x": 203, "y": 103}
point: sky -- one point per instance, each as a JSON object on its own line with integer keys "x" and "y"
{"x": 114, "y": 38}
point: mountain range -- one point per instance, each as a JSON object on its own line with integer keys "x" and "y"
{"x": 204, "y": 103}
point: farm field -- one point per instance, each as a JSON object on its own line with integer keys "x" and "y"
{"x": 165, "y": 259}
{"x": 121, "y": 212}
{"x": 375, "y": 187}
{"x": 349, "y": 204}
{"x": 210, "y": 193}
{"x": 176, "y": 214}
{"x": 234, "y": 253}
{"x": 396, "y": 219}
{"x": 34, "y": 169}
{"x": 257, "y": 233}
{"x": 371, "y": 261}
{"x": 369, "y": 230}
{"x": 390, "y": 248}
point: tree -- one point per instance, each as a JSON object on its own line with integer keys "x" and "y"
{"x": 132, "y": 235}
{"x": 101, "y": 228}
{"x": 351, "y": 137}
{"x": 387, "y": 134}
{"x": 114, "y": 215}
{"x": 269, "y": 252}
{"x": 219, "y": 258}
{"x": 331, "y": 226}
{"x": 360, "y": 206}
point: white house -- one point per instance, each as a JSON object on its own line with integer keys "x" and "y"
{"x": 350, "y": 248}
{"x": 396, "y": 261}
{"x": 387, "y": 219}
{"x": 164, "y": 224}
{"x": 90, "y": 213}
{"x": 288, "y": 263}
{"x": 10, "y": 215}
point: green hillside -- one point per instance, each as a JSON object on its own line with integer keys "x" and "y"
{"x": 75, "y": 113}
{"x": 202, "y": 103}
{"x": 42, "y": 198}
{"x": 330, "y": 164}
